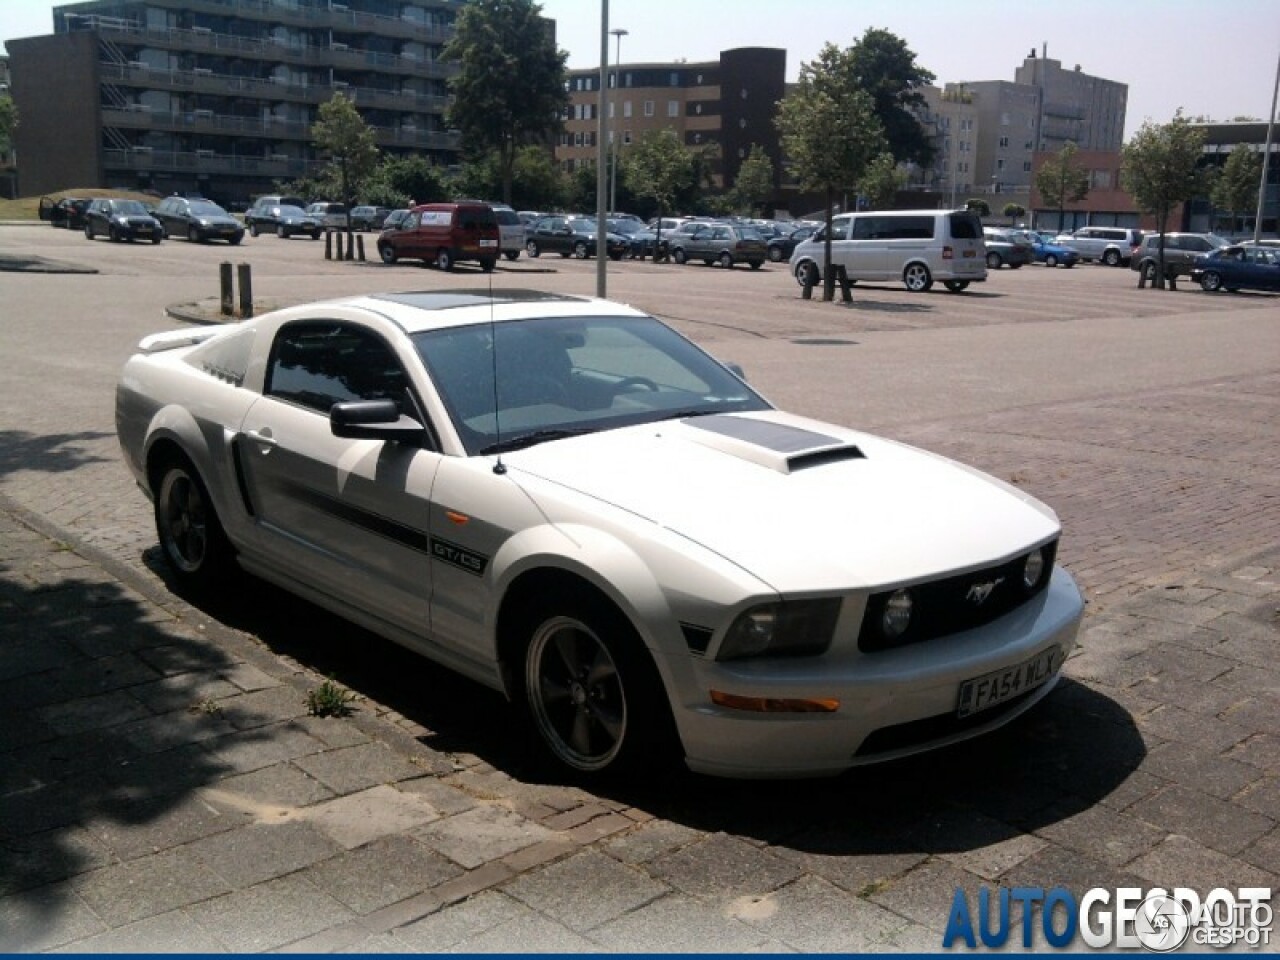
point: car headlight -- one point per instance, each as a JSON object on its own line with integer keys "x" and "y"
{"x": 896, "y": 617}
{"x": 791, "y": 628}
{"x": 1033, "y": 569}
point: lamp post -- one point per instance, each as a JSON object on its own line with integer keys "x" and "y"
{"x": 601, "y": 156}
{"x": 618, "y": 32}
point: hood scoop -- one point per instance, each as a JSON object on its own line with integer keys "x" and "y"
{"x": 777, "y": 446}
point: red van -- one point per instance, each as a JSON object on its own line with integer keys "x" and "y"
{"x": 443, "y": 234}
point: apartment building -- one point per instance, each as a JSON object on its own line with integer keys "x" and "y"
{"x": 1074, "y": 106}
{"x": 950, "y": 118}
{"x": 727, "y": 103}
{"x": 218, "y": 96}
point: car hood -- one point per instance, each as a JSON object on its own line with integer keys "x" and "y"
{"x": 800, "y": 504}
{"x": 216, "y": 220}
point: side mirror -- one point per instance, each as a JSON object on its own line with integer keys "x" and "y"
{"x": 373, "y": 420}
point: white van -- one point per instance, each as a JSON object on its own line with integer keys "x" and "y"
{"x": 914, "y": 246}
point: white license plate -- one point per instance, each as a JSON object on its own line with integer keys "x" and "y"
{"x": 488, "y": 243}
{"x": 992, "y": 689}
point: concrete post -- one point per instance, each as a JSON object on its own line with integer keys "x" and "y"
{"x": 246, "y": 290}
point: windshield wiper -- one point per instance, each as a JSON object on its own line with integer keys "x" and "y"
{"x": 685, "y": 414}
{"x": 531, "y": 439}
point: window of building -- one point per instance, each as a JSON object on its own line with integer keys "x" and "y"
{"x": 1004, "y": 119}
{"x": 1026, "y": 166}
{"x": 626, "y": 109}
{"x": 673, "y": 108}
{"x": 648, "y": 108}
{"x": 675, "y": 79}
{"x": 1004, "y": 141}
{"x": 999, "y": 163}
{"x": 626, "y": 136}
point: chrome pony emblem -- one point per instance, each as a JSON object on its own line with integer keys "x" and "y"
{"x": 979, "y": 592}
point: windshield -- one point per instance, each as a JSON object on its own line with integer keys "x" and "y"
{"x": 565, "y": 375}
{"x": 290, "y": 212}
{"x": 626, "y": 227}
{"x": 129, "y": 208}
{"x": 206, "y": 208}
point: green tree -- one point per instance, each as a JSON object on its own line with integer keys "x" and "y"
{"x": 347, "y": 140}
{"x": 1060, "y": 180}
{"x": 1236, "y": 186}
{"x": 1159, "y": 168}
{"x": 978, "y": 206}
{"x": 885, "y": 67}
{"x": 8, "y": 122}
{"x": 510, "y": 87}
{"x": 400, "y": 181}
{"x": 657, "y": 168}
{"x": 754, "y": 184}
{"x": 829, "y": 130}
{"x": 537, "y": 183}
{"x": 882, "y": 181}
{"x": 1013, "y": 211}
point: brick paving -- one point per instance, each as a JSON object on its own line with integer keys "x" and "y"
{"x": 163, "y": 787}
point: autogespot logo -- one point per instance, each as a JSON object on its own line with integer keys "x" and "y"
{"x": 1127, "y": 918}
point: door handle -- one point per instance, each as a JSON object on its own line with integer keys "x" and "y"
{"x": 264, "y": 439}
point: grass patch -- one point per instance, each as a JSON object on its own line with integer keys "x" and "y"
{"x": 28, "y": 208}
{"x": 330, "y": 700}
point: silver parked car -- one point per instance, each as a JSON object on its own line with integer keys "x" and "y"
{"x": 564, "y": 499}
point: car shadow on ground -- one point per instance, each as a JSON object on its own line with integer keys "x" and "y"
{"x": 1062, "y": 757}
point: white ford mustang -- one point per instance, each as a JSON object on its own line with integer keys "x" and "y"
{"x": 568, "y": 501}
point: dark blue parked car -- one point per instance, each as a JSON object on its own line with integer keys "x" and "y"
{"x": 1238, "y": 268}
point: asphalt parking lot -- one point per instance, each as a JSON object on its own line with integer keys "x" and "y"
{"x": 163, "y": 787}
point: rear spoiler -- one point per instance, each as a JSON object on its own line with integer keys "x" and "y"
{"x": 173, "y": 339}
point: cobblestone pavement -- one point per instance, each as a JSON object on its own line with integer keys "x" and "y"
{"x": 163, "y": 786}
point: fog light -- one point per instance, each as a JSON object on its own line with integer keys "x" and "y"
{"x": 1033, "y": 569}
{"x": 897, "y": 614}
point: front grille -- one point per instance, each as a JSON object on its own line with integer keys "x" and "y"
{"x": 951, "y": 605}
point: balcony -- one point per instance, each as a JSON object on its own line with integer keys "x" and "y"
{"x": 207, "y": 163}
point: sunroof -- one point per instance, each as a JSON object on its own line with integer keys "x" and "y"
{"x": 447, "y": 299}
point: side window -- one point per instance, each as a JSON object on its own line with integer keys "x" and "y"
{"x": 318, "y": 364}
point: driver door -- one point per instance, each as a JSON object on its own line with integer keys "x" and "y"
{"x": 345, "y": 516}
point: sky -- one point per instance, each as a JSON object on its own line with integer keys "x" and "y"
{"x": 1216, "y": 60}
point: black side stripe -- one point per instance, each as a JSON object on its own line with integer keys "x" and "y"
{"x": 375, "y": 523}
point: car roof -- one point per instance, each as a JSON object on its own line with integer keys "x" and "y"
{"x": 418, "y": 311}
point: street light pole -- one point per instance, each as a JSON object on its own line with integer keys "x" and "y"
{"x": 618, "y": 32}
{"x": 602, "y": 227}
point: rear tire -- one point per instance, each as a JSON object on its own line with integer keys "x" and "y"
{"x": 580, "y": 250}
{"x": 726, "y": 261}
{"x": 1050, "y": 261}
{"x": 994, "y": 261}
{"x": 511, "y": 254}
{"x": 775, "y": 255}
{"x": 678, "y": 255}
{"x": 1111, "y": 258}
{"x": 281, "y": 232}
{"x": 193, "y": 235}
{"x": 955, "y": 286}
{"x": 387, "y": 253}
{"x": 194, "y": 544}
{"x": 444, "y": 260}
{"x": 807, "y": 272}
{"x": 253, "y": 229}
{"x": 531, "y": 248}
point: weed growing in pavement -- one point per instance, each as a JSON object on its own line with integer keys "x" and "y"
{"x": 330, "y": 700}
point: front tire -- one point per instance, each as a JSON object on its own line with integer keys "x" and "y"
{"x": 388, "y": 254}
{"x": 193, "y": 235}
{"x": 807, "y": 273}
{"x": 191, "y": 536}
{"x": 678, "y": 255}
{"x": 591, "y": 690}
{"x": 917, "y": 278}
{"x": 1111, "y": 258}
{"x": 726, "y": 261}
{"x": 1050, "y": 261}
{"x": 955, "y": 286}
{"x": 444, "y": 260}
{"x": 994, "y": 261}
{"x": 281, "y": 232}
{"x": 1211, "y": 281}
{"x": 253, "y": 229}
{"x": 580, "y": 250}
{"x": 511, "y": 254}
{"x": 531, "y": 248}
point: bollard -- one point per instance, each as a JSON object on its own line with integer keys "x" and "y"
{"x": 246, "y": 290}
{"x": 846, "y": 288}
{"x": 224, "y": 276}
{"x": 351, "y": 247}
{"x": 328, "y": 245}
{"x": 360, "y": 247}
{"x": 806, "y": 291}
{"x": 1142, "y": 278}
